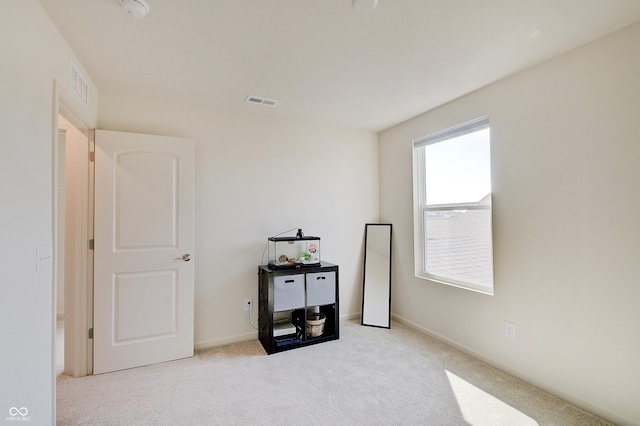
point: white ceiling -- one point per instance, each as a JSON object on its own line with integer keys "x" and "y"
{"x": 322, "y": 60}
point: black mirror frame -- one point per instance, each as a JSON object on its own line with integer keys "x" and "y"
{"x": 364, "y": 274}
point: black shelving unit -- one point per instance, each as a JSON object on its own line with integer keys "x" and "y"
{"x": 288, "y": 296}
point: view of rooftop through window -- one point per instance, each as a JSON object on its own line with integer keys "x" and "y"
{"x": 457, "y": 245}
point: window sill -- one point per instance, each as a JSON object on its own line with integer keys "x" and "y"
{"x": 489, "y": 291}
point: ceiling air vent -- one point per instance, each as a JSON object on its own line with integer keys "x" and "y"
{"x": 261, "y": 101}
{"x": 78, "y": 84}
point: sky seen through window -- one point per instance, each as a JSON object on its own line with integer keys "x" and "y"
{"x": 458, "y": 170}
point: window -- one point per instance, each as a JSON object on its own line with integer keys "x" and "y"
{"x": 452, "y": 207}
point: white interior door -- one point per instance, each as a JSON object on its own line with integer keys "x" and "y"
{"x": 143, "y": 279}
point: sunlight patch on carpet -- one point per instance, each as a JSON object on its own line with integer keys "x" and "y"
{"x": 480, "y": 408}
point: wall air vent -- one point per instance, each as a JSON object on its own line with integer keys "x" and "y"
{"x": 78, "y": 84}
{"x": 261, "y": 101}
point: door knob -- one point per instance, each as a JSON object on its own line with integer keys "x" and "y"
{"x": 186, "y": 257}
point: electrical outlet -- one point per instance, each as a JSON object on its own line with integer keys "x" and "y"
{"x": 248, "y": 304}
{"x": 509, "y": 330}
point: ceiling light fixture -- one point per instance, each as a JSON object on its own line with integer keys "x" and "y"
{"x": 364, "y": 6}
{"x": 136, "y": 8}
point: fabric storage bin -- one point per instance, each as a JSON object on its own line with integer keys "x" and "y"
{"x": 288, "y": 292}
{"x": 321, "y": 288}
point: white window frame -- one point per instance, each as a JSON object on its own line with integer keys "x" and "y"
{"x": 420, "y": 204}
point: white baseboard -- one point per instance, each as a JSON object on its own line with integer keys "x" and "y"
{"x": 352, "y": 316}
{"x": 572, "y": 399}
{"x": 206, "y": 344}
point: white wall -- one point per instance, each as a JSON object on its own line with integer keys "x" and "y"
{"x": 34, "y": 55}
{"x": 565, "y": 158}
{"x": 257, "y": 176}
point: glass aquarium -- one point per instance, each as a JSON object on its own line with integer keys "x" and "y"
{"x": 293, "y": 252}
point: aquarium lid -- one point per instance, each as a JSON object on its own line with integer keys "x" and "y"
{"x": 305, "y": 238}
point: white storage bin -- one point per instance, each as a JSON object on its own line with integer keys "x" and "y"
{"x": 321, "y": 288}
{"x": 288, "y": 292}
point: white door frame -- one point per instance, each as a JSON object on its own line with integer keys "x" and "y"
{"x": 78, "y": 298}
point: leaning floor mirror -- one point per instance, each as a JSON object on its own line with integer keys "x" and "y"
{"x": 376, "y": 288}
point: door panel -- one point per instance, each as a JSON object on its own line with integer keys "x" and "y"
{"x": 146, "y": 200}
{"x": 156, "y": 318}
{"x": 143, "y": 290}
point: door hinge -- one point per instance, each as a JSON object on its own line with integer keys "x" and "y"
{"x": 91, "y": 333}
{"x": 91, "y": 243}
{"x": 92, "y": 156}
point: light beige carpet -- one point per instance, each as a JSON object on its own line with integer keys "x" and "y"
{"x": 370, "y": 376}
